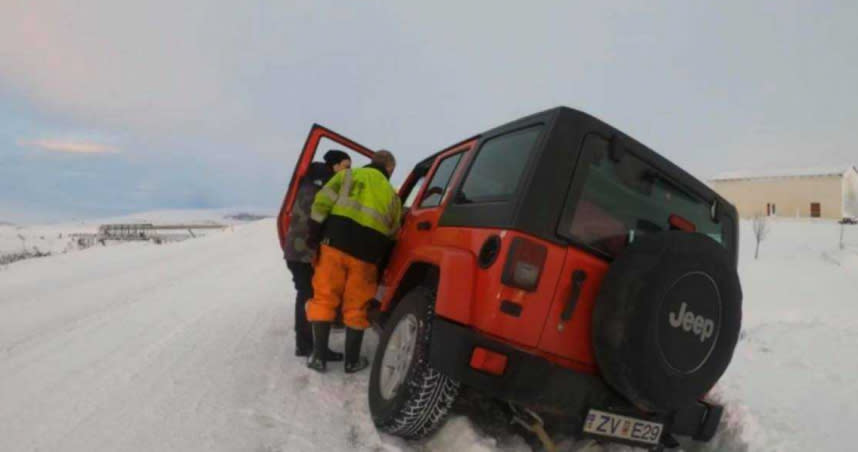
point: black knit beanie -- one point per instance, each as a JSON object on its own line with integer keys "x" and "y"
{"x": 334, "y": 157}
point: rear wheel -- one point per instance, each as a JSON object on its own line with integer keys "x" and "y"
{"x": 407, "y": 397}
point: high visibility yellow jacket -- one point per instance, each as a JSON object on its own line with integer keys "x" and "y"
{"x": 361, "y": 212}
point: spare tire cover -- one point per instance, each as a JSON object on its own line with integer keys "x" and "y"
{"x": 667, "y": 318}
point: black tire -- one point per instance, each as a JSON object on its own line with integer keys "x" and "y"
{"x": 421, "y": 404}
{"x": 667, "y": 319}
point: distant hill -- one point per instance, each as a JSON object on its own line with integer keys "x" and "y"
{"x": 243, "y": 216}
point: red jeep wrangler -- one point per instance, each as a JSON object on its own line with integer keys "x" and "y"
{"x": 561, "y": 266}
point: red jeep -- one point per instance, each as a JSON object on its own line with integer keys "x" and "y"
{"x": 558, "y": 265}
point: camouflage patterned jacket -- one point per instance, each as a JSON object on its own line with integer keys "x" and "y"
{"x": 296, "y": 248}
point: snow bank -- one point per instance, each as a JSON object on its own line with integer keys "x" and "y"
{"x": 221, "y": 216}
{"x": 791, "y": 385}
{"x": 57, "y": 238}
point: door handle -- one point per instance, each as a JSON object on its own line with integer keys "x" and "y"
{"x": 578, "y": 278}
{"x": 424, "y": 226}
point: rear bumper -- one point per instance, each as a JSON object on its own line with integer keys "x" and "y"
{"x": 536, "y": 383}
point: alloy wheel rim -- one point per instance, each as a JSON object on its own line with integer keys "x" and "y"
{"x": 397, "y": 356}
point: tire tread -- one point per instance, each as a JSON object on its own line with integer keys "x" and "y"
{"x": 431, "y": 394}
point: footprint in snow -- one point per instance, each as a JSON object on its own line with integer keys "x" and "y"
{"x": 301, "y": 382}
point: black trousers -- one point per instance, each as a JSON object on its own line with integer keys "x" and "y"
{"x": 302, "y": 276}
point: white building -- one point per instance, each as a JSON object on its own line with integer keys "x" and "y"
{"x": 812, "y": 192}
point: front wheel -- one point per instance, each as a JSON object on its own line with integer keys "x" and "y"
{"x": 407, "y": 397}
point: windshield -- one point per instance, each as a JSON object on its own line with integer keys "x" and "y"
{"x": 623, "y": 197}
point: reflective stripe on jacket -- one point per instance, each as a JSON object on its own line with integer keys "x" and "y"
{"x": 362, "y": 195}
{"x": 361, "y": 213}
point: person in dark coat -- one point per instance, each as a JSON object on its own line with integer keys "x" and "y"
{"x": 299, "y": 256}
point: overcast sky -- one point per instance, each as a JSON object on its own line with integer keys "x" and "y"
{"x": 111, "y": 106}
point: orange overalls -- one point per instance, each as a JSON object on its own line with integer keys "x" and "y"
{"x": 361, "y": 214}
{"x": 342, "y": 279}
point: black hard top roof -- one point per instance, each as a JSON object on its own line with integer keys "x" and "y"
{"x": 565, "y": 116}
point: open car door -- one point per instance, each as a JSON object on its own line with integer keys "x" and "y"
{"x": 318, "y": 136}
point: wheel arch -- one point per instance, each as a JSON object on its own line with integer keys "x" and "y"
{"x": 449, "y": 270}
{"x": 418, "y": 273}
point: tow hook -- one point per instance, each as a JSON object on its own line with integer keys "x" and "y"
{"x": 531, "y": 422}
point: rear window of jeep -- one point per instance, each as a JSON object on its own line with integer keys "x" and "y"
{"x": 625, "y": 197}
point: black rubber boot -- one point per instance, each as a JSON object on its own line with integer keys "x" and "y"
{"x": 338, "y": 322}
{"x": 354, "y": 361}
{"x": 318, "y": 360}
{"x": 303, "y": 344}
{"x": 306, "y": 349}
{"x": 331, "y": 356}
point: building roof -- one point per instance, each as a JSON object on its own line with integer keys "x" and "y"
{"x": 781, "y": 173}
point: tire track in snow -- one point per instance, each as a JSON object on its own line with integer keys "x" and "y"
{"x": 207, "y": 348}
{"x": 116, "y": 368}
{"x": 133, "y": 286}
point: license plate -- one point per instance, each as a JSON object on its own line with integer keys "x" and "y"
{"x": 611, "y": 425}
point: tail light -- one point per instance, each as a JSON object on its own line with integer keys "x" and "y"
{"x": 524, "y": 264}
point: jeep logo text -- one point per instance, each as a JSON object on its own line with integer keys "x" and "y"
{"x": 698, "y": 324}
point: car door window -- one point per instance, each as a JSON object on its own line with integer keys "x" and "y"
{"x": 412, "y": 194}
{"x": 437, "y": 187}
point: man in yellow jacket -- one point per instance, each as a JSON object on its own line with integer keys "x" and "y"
{"x": 355, "y": 216}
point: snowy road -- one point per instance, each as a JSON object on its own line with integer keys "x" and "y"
{"x": 188, "y": 347}
{"x": 182, "y": 347}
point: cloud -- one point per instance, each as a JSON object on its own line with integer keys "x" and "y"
{"x": 77, "y": 147}
{"x": 131, "y": 66}
{"x": 230, "y": 88}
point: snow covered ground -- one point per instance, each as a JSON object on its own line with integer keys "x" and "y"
{"x": 57, "y": 238}
{"x": 188, "y": 346}
{"x": 793, "y": 382}
{"x": 52, "y": 239}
